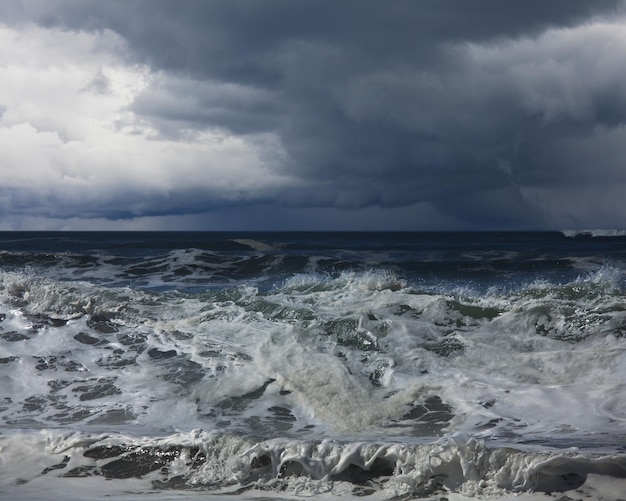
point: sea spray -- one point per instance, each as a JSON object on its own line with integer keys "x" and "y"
{"x": 377, "y": 365}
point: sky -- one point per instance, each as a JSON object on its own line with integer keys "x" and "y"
{"x": 312, "y": 114}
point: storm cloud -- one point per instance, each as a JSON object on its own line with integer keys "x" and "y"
{"x": 228, "y": 114}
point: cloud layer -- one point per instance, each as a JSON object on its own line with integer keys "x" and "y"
{"x": 289, "y": 115}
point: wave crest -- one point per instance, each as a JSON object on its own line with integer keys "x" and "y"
{"x": 228, "y": 464}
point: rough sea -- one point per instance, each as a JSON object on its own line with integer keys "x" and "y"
{"x": 220, "y": 366}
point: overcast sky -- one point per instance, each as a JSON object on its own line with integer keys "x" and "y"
{"x": 312, "y": 114}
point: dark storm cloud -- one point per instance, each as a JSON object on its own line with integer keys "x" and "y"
{"x": 226, "y": 37}
{"x": 174, "y": 103}
{"x": 497, "y": 114}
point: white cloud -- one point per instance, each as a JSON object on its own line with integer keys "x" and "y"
{"x": 45, "y": 77}
{"x": 72, "y": 145}
{"x": 560, "y": 74}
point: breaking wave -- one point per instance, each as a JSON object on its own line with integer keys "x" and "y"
{"x": 275, "y": 373}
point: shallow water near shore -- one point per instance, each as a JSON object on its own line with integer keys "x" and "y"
{"x": 324, "y": 365}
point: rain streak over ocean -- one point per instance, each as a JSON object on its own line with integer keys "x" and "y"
{"x": 312, "y": 365}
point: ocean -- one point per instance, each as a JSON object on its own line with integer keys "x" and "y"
{"x": 217, "y": 366}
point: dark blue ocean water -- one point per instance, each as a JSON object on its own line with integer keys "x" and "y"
{"x": 431, "y": 259}
{"x": 320, "y": 364}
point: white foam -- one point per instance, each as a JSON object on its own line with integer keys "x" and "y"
{"x": 326, "y": 390}
{"x": 454, "y": 466}
{"x": 348, "y": 357}
{"x": 595, "y": 233}
{"x": 255, "y": 244}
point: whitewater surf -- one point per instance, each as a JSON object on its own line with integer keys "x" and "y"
{"x": 325, "y": 365}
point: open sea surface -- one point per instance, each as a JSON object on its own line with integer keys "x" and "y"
{"x": 217, "y": 366}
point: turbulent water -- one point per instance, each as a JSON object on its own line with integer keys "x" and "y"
{"x": 285, "y": 365}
